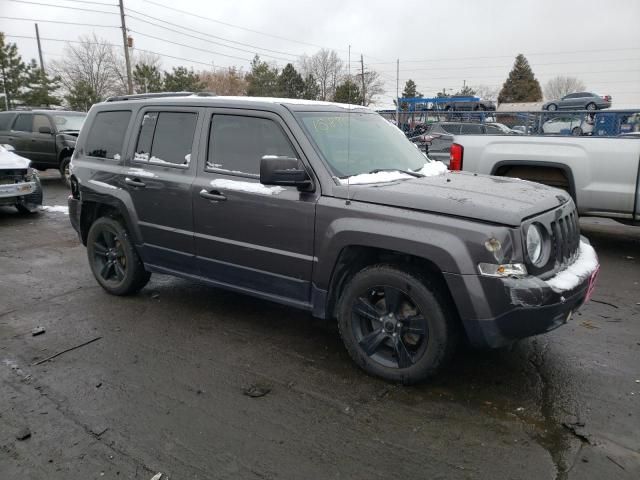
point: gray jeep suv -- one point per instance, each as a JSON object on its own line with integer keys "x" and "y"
{"x": 330, "y": 209}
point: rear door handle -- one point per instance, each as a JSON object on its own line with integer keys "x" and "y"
{"x": 213, "y": 195}
{"x": 134, "y": 182}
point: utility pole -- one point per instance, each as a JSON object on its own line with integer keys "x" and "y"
{"x": 398, "y": 93}
{"x": 4, "y": 86}
{"x": 39, "y": 49}
{"x": 125, "y": 43}
{"x": 363, "y": 87}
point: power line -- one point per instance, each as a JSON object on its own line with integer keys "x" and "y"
{"x": 62, "y": 6}
{"x": 92, "y": 3}
{"x": 510, "y": 65}
{"x": 59, "y": 21}
{"x": 189, "y": 46}
{"x": 32, "y": 37}
{"x": 204, "y": 39}
{"x": 502, "y": 76}
{"x": 428, "y": 60}
{"x": 202, "y": 33}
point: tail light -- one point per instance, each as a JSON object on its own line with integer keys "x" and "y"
{"x": 607, "y": 98}
{"x": 455, "y": 156}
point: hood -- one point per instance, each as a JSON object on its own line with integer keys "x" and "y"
{"x": 9, "y": 160}
{"x": 502, "y": 200}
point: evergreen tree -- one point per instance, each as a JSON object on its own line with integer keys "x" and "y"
{"x": 81, "y": 96}
{"x": 290, "y": 83}
{"x": 181, "y": 80}
{"x": 410, "y": 90}
{"x": 262, "y": 80}
{"x": 39, "y": 88}
{"x": 13, "y": 73}
{"x": 466, "y": 91}
{"x": 311, "y": 89}
{"x": 348, "y": 92}
{"x": 521, "y": 85}
{"x": 147, "y": 78}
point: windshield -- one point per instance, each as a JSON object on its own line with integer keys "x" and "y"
{"x": 69, "y": 121}
{"x": 356, "y": 143}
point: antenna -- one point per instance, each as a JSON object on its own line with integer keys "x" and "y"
{"x": 348, "y": 202}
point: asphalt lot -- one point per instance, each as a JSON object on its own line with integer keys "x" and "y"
{"x": 161, "y": 390}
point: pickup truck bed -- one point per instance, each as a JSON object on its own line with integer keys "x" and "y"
{"x": 600, "y": 173}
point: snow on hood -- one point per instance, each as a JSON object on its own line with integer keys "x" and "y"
{"x": 430, "y": 169}
{"x": 9, "y": 159}
{"x": 577, "y": 272}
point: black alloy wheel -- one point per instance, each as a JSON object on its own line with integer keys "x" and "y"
{"x": 397, "y": 323}
{"x": 389, "y": 327}
{"x": 113, "y": 258}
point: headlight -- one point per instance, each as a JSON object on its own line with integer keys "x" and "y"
{"x": 534, "y": 244}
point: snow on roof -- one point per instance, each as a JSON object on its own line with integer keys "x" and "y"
{"x": 520, "y": 107}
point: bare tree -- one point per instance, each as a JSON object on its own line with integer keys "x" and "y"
{"x": 224, "y": 82}
{"x": 373, "y": 85}
{"x": 92, "y": 64}
{"x": 486, "y": 92}
{"x": 560, "y": 86}
{"x": 327, "y": 68}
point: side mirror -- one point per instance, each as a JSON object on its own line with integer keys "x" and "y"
{"x": 45, "y": 130}
{"x": 284, "y": 171}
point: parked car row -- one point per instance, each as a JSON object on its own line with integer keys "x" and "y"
{"x": 46, "y": 137}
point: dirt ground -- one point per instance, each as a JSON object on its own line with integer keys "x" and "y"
{"x": 160, "y": 390}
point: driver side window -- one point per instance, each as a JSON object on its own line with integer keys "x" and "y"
{"x": 238, "y": 143}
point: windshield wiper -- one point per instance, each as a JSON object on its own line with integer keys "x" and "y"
{"x": 407, "y": 172}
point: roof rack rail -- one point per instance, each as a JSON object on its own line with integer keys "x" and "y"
{"x": 140, "y": 96}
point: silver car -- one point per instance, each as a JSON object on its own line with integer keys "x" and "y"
{"x": 579, "y": 101}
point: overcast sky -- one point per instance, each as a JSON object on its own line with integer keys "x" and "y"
{"x": 440, "y": 44}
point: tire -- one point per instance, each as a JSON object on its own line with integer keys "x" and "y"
{"x": 407, "y": 347}
{"x": 65, "y": 173}
{"x": 30, "y": 204}
{"x": 576, "y": 131}
{"x": 113, "y": 259}
{"x": 552, "y": 107}
{"x": 592, "y": 106}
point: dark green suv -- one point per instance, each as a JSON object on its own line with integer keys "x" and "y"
{"x": 46, "y": 137}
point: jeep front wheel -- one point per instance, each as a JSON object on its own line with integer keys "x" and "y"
{"x": 396, "y": 325}
{"x": 113, "y": 259}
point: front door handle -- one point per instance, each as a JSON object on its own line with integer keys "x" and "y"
{"x": 134, "y": 182}
{"x": 213, "y": 195}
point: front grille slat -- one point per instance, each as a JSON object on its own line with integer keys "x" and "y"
{"x": 565, "y": 233}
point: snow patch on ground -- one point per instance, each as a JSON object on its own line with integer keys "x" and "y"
{"x": 577, "y": 272}
{"x": 55, "y": 209}
{"x": 249, "y": 187}
{"x": 430, "y": 169}
{"x": 104, "y": 185}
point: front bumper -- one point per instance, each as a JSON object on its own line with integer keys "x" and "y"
{"x": 498, "y": 311}
{"x": 10, "y": 190}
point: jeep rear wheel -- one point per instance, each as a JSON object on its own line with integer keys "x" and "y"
{"x": 113, "y": 259}
{"x": 396, "y": 325}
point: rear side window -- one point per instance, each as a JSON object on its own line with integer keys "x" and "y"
{"x": 166, "y": 137}
{"x": 5, "y": 120}
{"x": 238, "y": 143}
{"x": 106, "y": 137}
{"x": 471, "y": 129}
{"x": 451, "y": 128}
{"x": 23, "y": 123}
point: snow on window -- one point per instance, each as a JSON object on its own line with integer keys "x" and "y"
{"x": 249, "y": 187}
{"x": 116, "y": 156}
{"x": 577, "y": 272}
{"x": 187, "y": 159}
{"x": 141, "y": 157}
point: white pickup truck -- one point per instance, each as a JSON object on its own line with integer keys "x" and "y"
{"x": 602, "y": 174}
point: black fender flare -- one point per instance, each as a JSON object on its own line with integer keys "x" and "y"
{"x": 526, "y": 163}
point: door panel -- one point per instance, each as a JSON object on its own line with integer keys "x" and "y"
{"x": 42, "y": 147}
{"x": 159, "y": 179}
{"x": 253, "y": 237}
